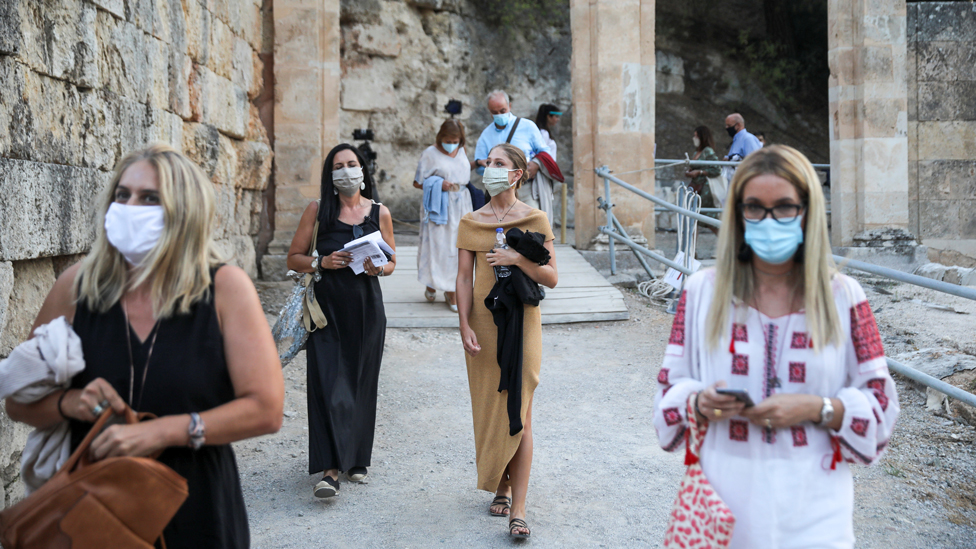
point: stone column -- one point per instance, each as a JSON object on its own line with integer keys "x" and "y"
{"x": 613, "y": 110}
{"x": 306, "y": 113}
{"x": 868, "y": 120}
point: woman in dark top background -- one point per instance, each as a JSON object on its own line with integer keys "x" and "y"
{"x": 704, "y": 150}
{"x": 166, "y": 329}
{"x": 344, "y": 356}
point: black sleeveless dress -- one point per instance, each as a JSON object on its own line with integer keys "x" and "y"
{"x": 187, "y": 373}
{"x": 344, "y": 359}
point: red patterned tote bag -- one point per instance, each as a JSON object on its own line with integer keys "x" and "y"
{"x": 699, "y": 517}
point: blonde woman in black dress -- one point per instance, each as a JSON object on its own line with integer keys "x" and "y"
{"x": 167, "y": 329}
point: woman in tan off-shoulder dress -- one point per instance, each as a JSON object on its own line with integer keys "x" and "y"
{"x": 504, "y": 460}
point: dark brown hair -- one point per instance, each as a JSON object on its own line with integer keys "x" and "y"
{"x": 705, "y": 137}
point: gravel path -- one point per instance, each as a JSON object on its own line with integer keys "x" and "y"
{"x": 599, "y": 477}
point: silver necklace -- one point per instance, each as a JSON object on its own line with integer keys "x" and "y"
{"x": 506, "y": 213}
{"x": 132, "y": 368}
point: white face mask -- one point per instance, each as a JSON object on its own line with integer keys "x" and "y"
{"x": 134, "y": 230}
{"x": 348, "y": 180}
{"x": 697, "y": 141}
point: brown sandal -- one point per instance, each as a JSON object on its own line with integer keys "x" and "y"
{"x": 500, "y": 501}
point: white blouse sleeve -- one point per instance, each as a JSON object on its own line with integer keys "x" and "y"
{"x": 679, "y": 375}
{"x": 870, "y": 400}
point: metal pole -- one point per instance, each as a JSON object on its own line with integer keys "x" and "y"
{"x": 605, "y": 174}
{"x": 564, "y": 221}
{"x": 935, "y": 383}
{"x": 645, "y": 251}
{"x": 637, "y": 254}
{"x": 610, "y": 241}
{"x": 718, "y": 163}
{"x": 937, "y": 285}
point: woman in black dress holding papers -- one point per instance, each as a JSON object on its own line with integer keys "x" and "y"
{"x": 343, "y": 357}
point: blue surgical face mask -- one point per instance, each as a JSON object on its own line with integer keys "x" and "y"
{"x": 501, "y": 120}
{"x": 450, "y": 147}
{"x": 775, "y": 242}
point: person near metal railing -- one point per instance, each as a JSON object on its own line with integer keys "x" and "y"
{"x": 774, "y": 323}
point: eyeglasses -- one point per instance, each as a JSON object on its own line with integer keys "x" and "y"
{"x": 784, "y": 213}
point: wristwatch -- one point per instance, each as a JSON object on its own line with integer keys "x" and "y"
{"x": 827, "y": 412}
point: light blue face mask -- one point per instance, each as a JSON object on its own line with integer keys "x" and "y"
{"x": 501, "y": 120}
{"x": 450, "y": 147}
{"x": 773, "y": 241}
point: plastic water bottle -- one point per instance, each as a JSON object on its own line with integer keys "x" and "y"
{"x": 501, "y": 271}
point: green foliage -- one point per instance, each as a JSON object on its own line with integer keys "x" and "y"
{"x": 777, "y": 74}
{"x": 524, "y": 15}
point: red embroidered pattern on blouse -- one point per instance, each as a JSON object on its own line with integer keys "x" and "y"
{"x": 798, "y": 372}
{"x": 860, "y": 426}
{"x": 864, "y": 333}
{"x": 799, "y": 435}
{"x": 678, "y": 327}
{"x": 740, "y": 333}
{"x": 739, "y": 430}
{"x": 672, "y": 416}
{"x": 662, "y": 376}
{"x": 800, "y": 340}
{"x": 878, "y": 386}
{"x": 740, "y": 365}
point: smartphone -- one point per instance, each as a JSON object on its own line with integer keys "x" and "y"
{"x": 740, "y": 394}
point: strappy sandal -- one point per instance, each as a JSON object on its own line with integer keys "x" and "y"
{"x": 518, "y": 523}
{"x": 500, "y": 501}
{"x": 429, "y": 295}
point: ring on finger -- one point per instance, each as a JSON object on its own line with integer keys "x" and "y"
{"x": 718, "y": 412}
{"x": 104, "y": 404}
{"x": 97, "y": 410}
{"x": 769, "y": 423}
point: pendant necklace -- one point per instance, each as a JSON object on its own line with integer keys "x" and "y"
{"x": 132, "y": 368}
{"x": 506, "y": 213}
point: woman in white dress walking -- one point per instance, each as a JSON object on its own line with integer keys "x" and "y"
{"x": 446, "y": 201}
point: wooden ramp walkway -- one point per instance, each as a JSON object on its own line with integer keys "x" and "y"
{"x": 582, "y": 295}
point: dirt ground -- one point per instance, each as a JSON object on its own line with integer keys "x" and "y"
{"x": 599, "y": 478}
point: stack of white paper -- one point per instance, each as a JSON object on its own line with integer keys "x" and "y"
{"x": 371, "y": 246}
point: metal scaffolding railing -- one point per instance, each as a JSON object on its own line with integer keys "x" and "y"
{"x": 615, "y": 232}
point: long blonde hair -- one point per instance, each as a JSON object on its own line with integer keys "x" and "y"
{"x": 180, "y": 263}
{"x": 734, "y": 277}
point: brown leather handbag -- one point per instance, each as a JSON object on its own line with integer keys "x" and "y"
{"x": 120, "y": 502}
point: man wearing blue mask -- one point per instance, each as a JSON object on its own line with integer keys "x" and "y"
{"x": 743, "y": 142}
{"x": 508, "y": 128}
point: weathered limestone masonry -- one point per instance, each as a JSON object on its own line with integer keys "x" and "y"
{"x": 391, "y": 66}
{"x": 942, "y": 129}
{"x": 82, "y": 83}
{"x": 869, "y": 120}
{"x": 613, "y": 97}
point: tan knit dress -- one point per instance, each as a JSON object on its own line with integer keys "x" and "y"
{"x": 493, "y": 445}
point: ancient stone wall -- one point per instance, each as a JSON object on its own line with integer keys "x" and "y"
{"x": 82, "y": 83}
{"x": 402, "y": 60}
{"x": 942, "y": 129}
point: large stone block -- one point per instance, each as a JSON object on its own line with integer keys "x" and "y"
{"x": 947, "y": 179}
{"x": 56, "y": 38}
{"x": 169, "y": 23}
{"x": 6, "y": 287}
{"x": 947, "y": 100}
{"x": 239, "y": 251}
{"x": 43, "y": 117}
{"x": 13, "y": 438}
{"x": 217, "y": 101}
{"x": 946, "y": 21}
{"x": 254, "y": 164}
{"x": 159, "y": 59}
{"x": 946, "y": 61}
{"x": 221, "y": 56}
{"x": 201, "y": 144}
{"x": 180, "y": 68}
{"x": 938, "y": 219}
{"x": 952, "y": 140}
{"x": 45, "y": 209}
{"x": 246, "y": 69}
{"x": 115, "y": 7}
{"x": 198, "y": 24}
{"x": 33, "y": 280}
{"x": 124, "y": 60}
{"x": 141, "y": 13}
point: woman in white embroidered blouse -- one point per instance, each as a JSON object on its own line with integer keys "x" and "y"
{"x": 776, "y": 319}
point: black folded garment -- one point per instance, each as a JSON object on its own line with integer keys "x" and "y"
{"x": 506, "y": 302}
